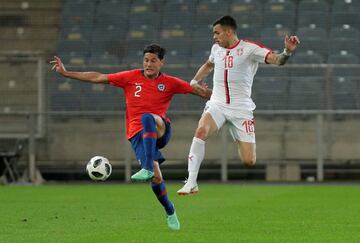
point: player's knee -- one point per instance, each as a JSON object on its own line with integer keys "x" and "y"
{"x": 202, "y": 132}
{"x": 249, "y": 161}
{"x": 146, "y": 118}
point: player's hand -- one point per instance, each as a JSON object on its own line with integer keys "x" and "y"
{"x": 291, "y": 43}
{"x": 202, "y": 89}
{"x": 203, "y": 85}
{"x": 58, "y": 65}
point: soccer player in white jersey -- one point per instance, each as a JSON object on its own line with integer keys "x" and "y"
{"x": 235, "y": 63}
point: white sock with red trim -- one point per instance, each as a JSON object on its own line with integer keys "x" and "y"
{"x": 196, "y": 156}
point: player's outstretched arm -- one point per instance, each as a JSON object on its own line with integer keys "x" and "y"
{"x": 291, "y": 43}
{"x": 93, "y": 77}
{"x": 200, "y": 88}
{"x": 203, "y": 71}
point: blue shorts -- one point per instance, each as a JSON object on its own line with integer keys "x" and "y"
{"x": 138, "y": 146}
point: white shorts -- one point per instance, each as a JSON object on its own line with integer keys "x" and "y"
{"x": 241, "y": 122}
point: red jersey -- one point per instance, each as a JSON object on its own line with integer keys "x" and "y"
{"x": 144, "y": 95}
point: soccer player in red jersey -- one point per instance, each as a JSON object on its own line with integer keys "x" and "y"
{"x": 148, "y": 94}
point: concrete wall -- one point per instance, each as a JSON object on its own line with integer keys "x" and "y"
{"x": 277, "y": 139}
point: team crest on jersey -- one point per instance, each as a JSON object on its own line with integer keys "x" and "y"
{"x": 240, "y": 51}
{"x": 161, "y": 87}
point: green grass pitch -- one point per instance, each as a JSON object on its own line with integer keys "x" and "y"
{"x": 101, "y": 212}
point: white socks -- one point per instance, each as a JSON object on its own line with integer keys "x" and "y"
{"x": 196, "y": 156}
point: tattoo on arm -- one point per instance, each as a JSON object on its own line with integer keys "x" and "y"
{"x": 283, "y": 57}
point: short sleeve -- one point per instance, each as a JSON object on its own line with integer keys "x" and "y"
{"x": 119, "y": 79}
{"x": 180, "y": 86}
{"x": 260, "y": 53}
{"x": 212, "y": 54}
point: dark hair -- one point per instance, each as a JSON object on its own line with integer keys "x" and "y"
{"x": 226, "y": 20}
{"x": 156, "y": 49}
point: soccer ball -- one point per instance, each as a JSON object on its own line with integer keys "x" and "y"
{"x": 98, "y": 168}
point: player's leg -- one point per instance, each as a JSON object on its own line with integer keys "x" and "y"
{"x": 159, "y": 189}
{"x": 153, "y": 127}
{"x": 247, "y": 152}
{"x": 243, "y": 132}
{"x": 210, "y": 122}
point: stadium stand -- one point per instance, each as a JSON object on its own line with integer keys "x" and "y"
{"x": 313, "y": 12}
{"x": 306, "y": 93}
{"x": 345, "y": 93}
{"x": 112, "y": 33}
{"x": 279, "y": 12}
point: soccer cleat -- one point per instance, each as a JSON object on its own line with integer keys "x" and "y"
{"x": 173, "y": 221}
{"x": 188, "y": 188}
{"x": 142, "y": 175}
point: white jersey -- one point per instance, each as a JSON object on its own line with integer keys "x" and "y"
{"x": 234, "y": 71}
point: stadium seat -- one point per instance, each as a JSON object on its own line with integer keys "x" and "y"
{"x": 345, "y": 33}
{"x": 65, "y": 95}
{"x": 200, "y": 51}
{"x": 286, "y": 20}
{"x": 344, "y": 93}
{"x": 97, "y": 97}
{"x": 270, "y": 93}
{"x": 312, "y": 39}
{"x": 144, "y": 26}
{"x": 178, "y": 12}
{"x": 78, "y": 12}
{"x": 272, "y": 71}
{"x": 134, "y": 53}
{"x": 314, "y": 6}
{"x": 247, "y": 12}
{"x": 348, "y": 18}
{"x": 308, "y": 57}
{"x": 351, "y": 46}
{"x": 248, "y": 32}
{"x": 313, "y": 12}
{"x": 245, "y": 6}
{"x": 306, "y": 93}
{"x": 319, "y": 20}
{"x": 346, "y": 71}
{"x": 109, "y": 26}
{"x": 178, "y": 19}
{"x": 112, "y": 47}
{"x": 278, "y": 32}
{"x": 74, "y": 52}
{"x": 343, "y": 57}
{"x": 79, "y": 46}
{"x": 279, "y": 6}
{"x": 345, "y": 38}
{"x": 312, "y": 32}
{"x": 143, "y": 7}
{"x": 212, "y": 7}
{"x": 275, "y": 44}
{"x": 113, "y": 7}
{"x": 76, "y": 32}
{"x": 177, "y": 53}
{"x": 175, "y": 32}
{"x": 346, "y": 6}
{"x": 279, "y": 12}
{"x": 103, "y": 59}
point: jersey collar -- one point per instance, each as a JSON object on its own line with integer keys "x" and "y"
{"x": 233, "y": 46}
{"x": 143, "y": 73}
